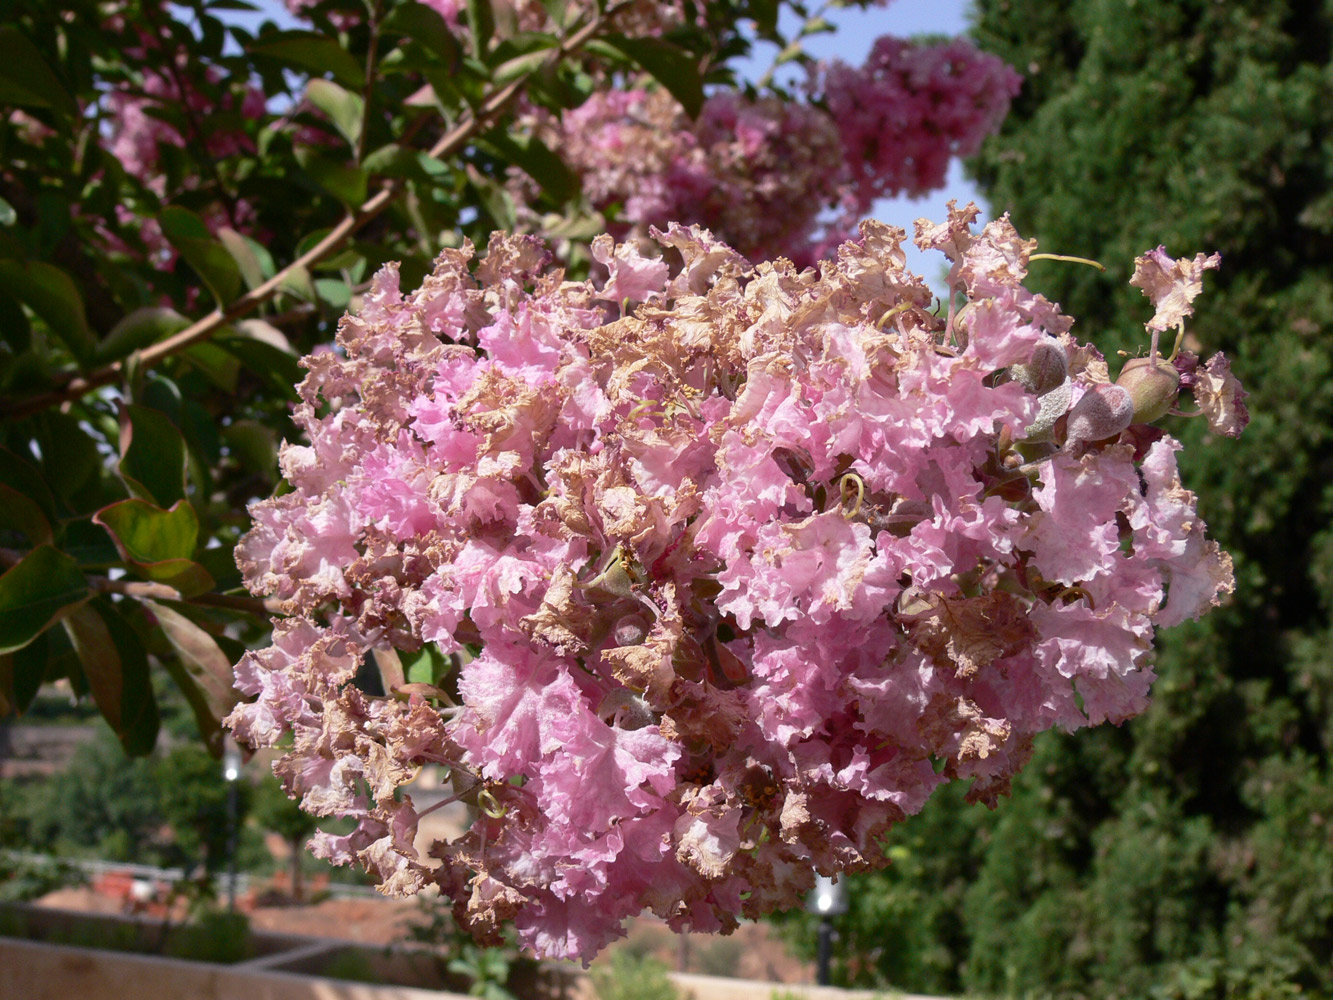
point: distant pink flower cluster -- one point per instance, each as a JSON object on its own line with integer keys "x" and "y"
{"x": 732, "y": 581}
{"x": 777, "y": 177}
{"x": 136, "y": 136}
{"x": 911, "y": 109}
{"x": 645, "y": 17}
{"x": 762, "y": 172}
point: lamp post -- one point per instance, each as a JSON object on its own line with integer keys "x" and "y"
{"x": 827, "y": 899}
{"x": 231, "y": 771}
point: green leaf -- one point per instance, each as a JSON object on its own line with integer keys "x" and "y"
{"x": 137, "y": 330}
{"x": 35, "y": 593}
{"x": 152, "y": 455}
{"x": 765, "y": 13}
{"x": 424, "y": 25}
{"x": 392, "y": 161}
{"x": 254, "y": 446}
{"x": 558, "y": 11}
{"x": 536, "y": 159}
{"x": 26, "y": 78}
{"x": 334, "y": 292}
{"x": 278, "y": 367}
{"x": 521, "y": 65}
{"x": 22, "y": 476}
{"x": 317, "y": 54}
{"x": 481, "y": 21}
{"x": 21, "y": 513}
{"x": 209, "y": 258}
{"x": 201, "y": 670}
{"x": 116, "y": 666}
{"x": 21, "y": 675}
{"x": 52, "y": 295}
{"x": 671, "y": 66}
{"x": 496, "y": 200}
{"x": 29, "y": 670}
{"x": 220, "y": 562}
{"x": 426, "y": 666}
{"x": 297, "y": 282}
{"x": 217, "y": 365}
{"x": 144, "y": 533}
{"x": 15, "y": 330}
{"x": 346, "y": 183}
{"x": 242, "y": 251}
{"x": 344, "y": 108}
{"x": 69, "y": 454}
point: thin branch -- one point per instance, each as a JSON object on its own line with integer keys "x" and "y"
{"x": 236, "y": 602}
{"x": 368, "y": 88}
{"x": 450, "y": 143}
{"x": 163, "y": 592}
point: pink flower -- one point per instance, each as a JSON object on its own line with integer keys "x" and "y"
{"x": 730, "y": 581}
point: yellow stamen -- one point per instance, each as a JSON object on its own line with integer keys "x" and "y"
{"x": 490, "y": 805}
{"x": 1073, "y": 260}
{"x": 852, "y": 479}
{"x": 890, "y": 313}
{"x": 1180, "y": 337}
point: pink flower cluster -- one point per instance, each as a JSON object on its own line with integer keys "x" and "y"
{"x": 780, "y": 177}
{"x": 910, "y": 109}
{"x": 136, "y": 138}
{"x": 760, "y": 171}
{"x": 731, "y": 581}
{"x": 136, "y": 135}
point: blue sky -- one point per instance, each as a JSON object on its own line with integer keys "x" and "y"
{"x": 857, "y": 31}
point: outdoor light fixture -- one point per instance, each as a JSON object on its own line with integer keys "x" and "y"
{"x": 231, "y": 770}
{"x": 826, "y": 900}
{"x": 231, "y": 762}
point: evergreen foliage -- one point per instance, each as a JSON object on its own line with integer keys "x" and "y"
{"x": 1189, "y": 853}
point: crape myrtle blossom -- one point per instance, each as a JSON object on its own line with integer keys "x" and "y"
{"x": 736, "y": 564}
{"x": 137, "y": 137}
{"x": 781, "y": 177}
{"x": 910, "y": 108}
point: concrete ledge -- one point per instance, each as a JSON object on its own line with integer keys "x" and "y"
{"x": 56, "y": 972}
{"x": 721, "y": 988}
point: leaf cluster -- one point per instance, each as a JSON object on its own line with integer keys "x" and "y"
{"x": 153, "y": 303}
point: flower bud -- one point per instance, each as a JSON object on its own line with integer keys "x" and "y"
{"x": 627, "y": 709}
{"x": 1046, "y": 370}
{"x": 1104, "y": 411}
{"x": 631, "y": 630}
{"x": 1153, "y": 388}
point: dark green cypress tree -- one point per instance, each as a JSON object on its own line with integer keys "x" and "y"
{"x": 1189, "y": 853}
{"x": 1196, "y": 847}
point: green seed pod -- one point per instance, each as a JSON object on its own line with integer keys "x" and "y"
{"x": 1152, "y": 388}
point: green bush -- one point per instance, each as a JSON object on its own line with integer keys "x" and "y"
{"x": 214, "y": 936}
{"x": 626, "y": 976}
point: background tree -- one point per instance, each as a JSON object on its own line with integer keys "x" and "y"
{"x": 1189, "y": 853}
{"x": 169, "y": 809}
{"x": 275, "y": 812}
